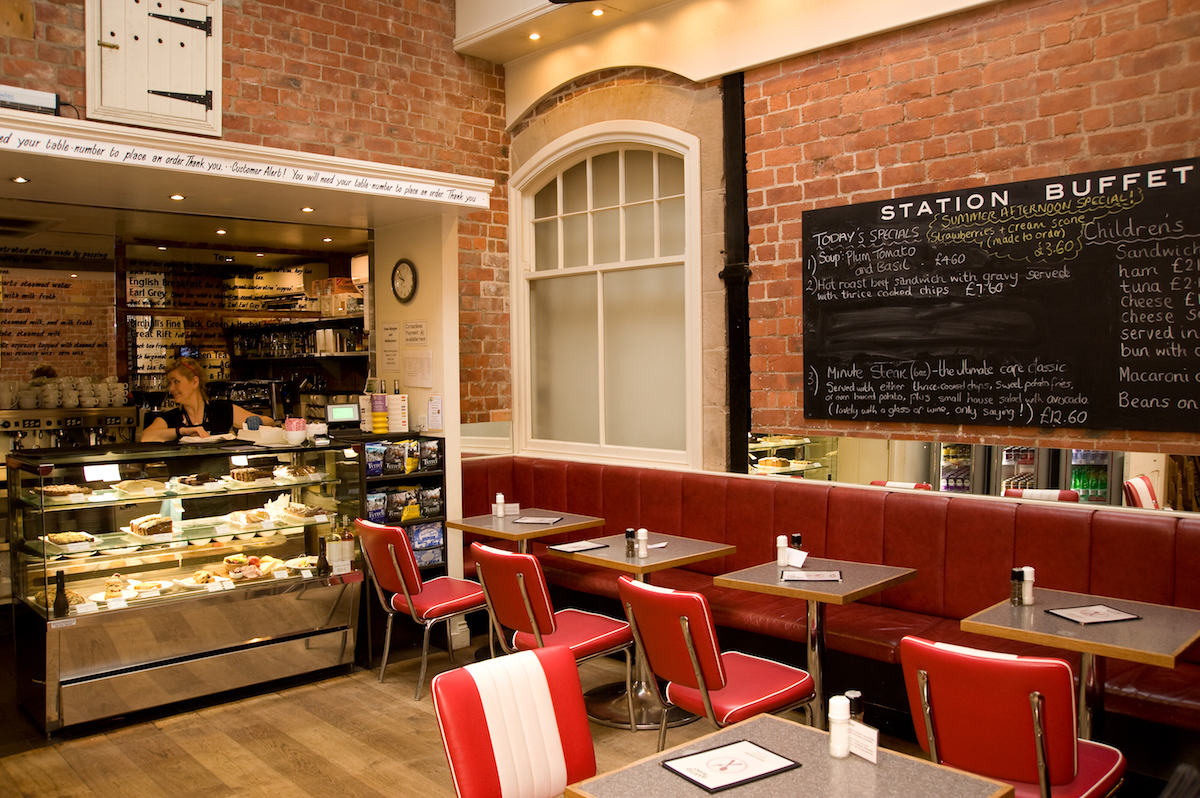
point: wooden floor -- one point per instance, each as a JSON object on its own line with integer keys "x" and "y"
{"x": 347, "y": 736}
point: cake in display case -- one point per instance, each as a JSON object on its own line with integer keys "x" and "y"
{"x": 186, "y": 571}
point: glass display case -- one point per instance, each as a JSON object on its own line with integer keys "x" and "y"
{"x": 793, "y": 455}
{"x": 186, "y": 571}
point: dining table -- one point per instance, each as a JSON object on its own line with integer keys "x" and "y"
{"x": 606, "y": 704}
{"x": 855, "y": 580}
{"x": 892, "y": 775}
{"x": 526, "y": 525}
{"x": 1157, "y": 634}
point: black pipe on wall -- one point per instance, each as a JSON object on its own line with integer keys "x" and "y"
{"x": 736, "y": 273}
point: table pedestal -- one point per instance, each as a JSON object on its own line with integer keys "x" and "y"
{"x": 1091, "y": 695}
{"x": 608, "y": 706}
{"x": 816, "y": 655}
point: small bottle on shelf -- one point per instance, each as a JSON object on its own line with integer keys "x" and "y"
{"x": 61, "y": 605}
{"x": 323, "y": 566}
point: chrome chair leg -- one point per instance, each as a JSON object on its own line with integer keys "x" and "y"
{"x": 387, "y": 645}
{"x": 424, "y": 658}
{"x": 449, "y": 640}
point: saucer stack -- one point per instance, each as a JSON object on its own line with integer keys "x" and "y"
{"x": 379, "y": 413}
{"x": 397, "y": 412}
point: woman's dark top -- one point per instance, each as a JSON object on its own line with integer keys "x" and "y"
{"x": 218, "y": 417}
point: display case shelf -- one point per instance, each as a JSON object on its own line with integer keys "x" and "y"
{"x": 211, "y": 553}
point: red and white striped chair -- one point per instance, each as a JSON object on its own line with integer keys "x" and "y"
{"x": 515, "y": 727}
{"x": 1043, "y": 494}
{"x": 909, "y": 485}
{"x": 1139, "y": 492}
{"x": 675, "y": 633}
{"x": 400, "y": 588}
{"x": 1005, "y": 717}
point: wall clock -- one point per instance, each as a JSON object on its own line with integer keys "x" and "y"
{"x": 404, "y": 280}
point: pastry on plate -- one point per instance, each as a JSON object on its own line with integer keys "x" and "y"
{"x": 293, "y": 471}
{"x": 202, "y": 577}
{"x": 248, "y": 517}
{"x": 250, "y": 473}
{"x": 66, "y": 538}
{"x": 153, "y": 524}
{"x": 141, "y": 486}
{"x": 114, "y": 586}
{"x": 58, "y": 491}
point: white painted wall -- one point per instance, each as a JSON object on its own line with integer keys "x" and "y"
{"x": 432, "y": 245}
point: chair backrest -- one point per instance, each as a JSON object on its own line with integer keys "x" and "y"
{"x": 1043, "y": 494}
{"x": 380, "y": 544}
{"x": 515, "y": 725}
{"x": 981, "y": 711}
{"x": 910, "y": 485}
{"x": 1139, "y": 492}
{"x": 655, "y": 613}
{"x": 503, "y": 574}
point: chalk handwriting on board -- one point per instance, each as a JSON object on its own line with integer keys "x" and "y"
{"x": 1067, "y": 302}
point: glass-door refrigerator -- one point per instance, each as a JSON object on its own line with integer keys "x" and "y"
{"x": 960, "y": 467}
{"x": 1095, "y": 474}
{"x": 1022, "y": 468}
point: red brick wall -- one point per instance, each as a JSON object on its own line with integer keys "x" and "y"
{"x": 375, "y": 80}
{"x": 1014, "y": 91}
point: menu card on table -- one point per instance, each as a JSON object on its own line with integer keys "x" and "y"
{"x": 1094, "y": 613}
{"x": 729, "y": 765}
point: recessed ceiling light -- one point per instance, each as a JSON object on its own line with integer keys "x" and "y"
{"x": 597, "y": 12}
{"x": 258, "y": 254}
{"x": 535, "y": 36}
{"x": 326, "y": 240}
{"x": 162, "y": 249}
{"x": 177, "y": 197}
{"x": 220, "y": 232}
{"x": 74, "y": 275}
{"x": 307, "y": 209}
{"x": 20, "y": 179}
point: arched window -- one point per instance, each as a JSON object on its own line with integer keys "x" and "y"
{"x": 606, "y": 298}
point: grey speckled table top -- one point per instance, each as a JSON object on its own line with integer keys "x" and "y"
{"x": 819, "y": 776}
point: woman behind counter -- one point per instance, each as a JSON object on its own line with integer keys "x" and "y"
{"x": 196, "y": 415}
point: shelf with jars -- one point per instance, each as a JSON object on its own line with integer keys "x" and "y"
{"x": 146, "y": 574}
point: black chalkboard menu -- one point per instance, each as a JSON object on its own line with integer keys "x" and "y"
{"x": 1066, "y": 302}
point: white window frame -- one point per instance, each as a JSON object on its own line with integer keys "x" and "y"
{"x": 553, "y": 158}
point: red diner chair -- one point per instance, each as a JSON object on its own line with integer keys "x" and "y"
{"x": 400, "y": 588}
{"x": 1139, "y": 492}
{"x": 674, "y": 631}
{"x": 909, "y": 485}
{"x": 518, "y": 599}
{"x": 515, "y": 726}
{"x": 1005, "y": 717}
{"x": 1042, "y": 494}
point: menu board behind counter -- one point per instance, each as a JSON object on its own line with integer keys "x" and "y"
{"x": 1066, "y": 302}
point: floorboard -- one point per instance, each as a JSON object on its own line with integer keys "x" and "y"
{"x": 347, "y": 736}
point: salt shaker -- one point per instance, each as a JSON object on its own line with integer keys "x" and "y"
{"x": 1027, "y": 586}
{"x": 643, "y": 543}
{"x": 498, "y": 506}
{"x": 781, "y": 555}
{"x": 839, "y": 727}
